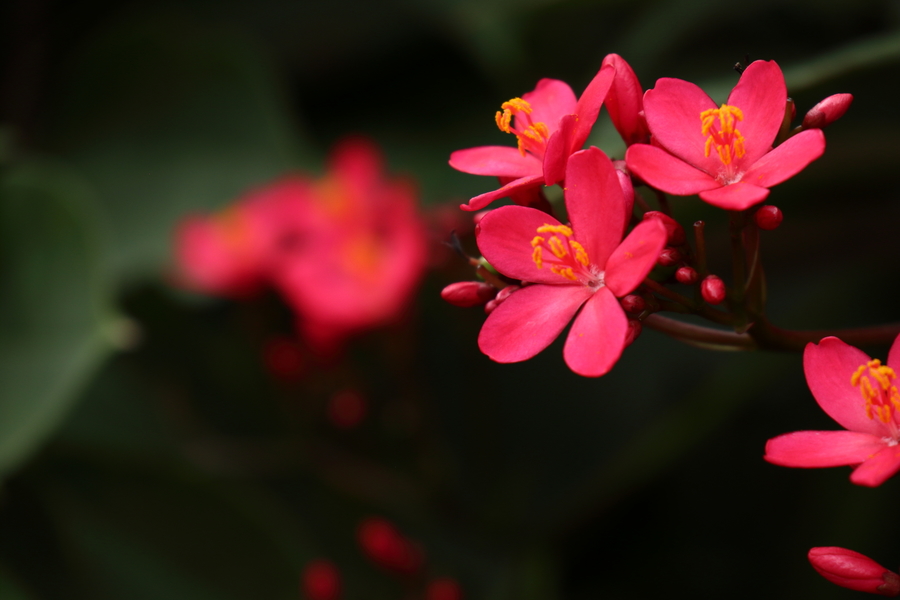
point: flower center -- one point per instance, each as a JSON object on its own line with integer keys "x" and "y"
{"x": 565, "y": 257}
{"x": 880, "y": 395}
{"x": 532, "y": 136}
{"x": 718, "y": 125}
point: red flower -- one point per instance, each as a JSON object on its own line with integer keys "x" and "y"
{"x": 723, "y": 153}
{"x": 861, "y": 395}
{"x": 550, "y": 125}
{"x": 855, "y": 571}
{"x": 584, "y": 266}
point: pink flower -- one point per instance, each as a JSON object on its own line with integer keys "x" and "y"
{"x": 625, "y": 102}
{"x": 550, "y": 124}
{"x": 861, "y": 395}
{"x": 855, "y": 571}
{"x": 723, "y": 153}
{"x": 584, "y": 266}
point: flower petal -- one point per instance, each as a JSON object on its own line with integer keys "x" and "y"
{"x": 673, "y": 110}
{"x": 630, "y": 263}
{"x": 529, "y": 320}
{"x": 879, "y": 468}
{"x": 762, "y": 97}
{"x": 735, "y": 196}
{"x": 828, "y": 367}
{"x": 809, "y": 449}
{"x": 589, "y": 104}
{"x": 501, "y": 161}
{"x": 625, "y": 102}
{"x": 595, "y": 203}
{"x": 597, "y": 337}
{"x": 893, "y": 359}
{"x": 510, "y": 189}
{"x": 504, "y": 237}
{"x": 787, "y": 159}
{"x": 550, "y": 101}
{"x": 558, "y": 150}
{"x": 666, "y": 172}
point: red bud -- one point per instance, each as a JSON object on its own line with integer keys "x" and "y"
{"x": 633, "y": 304}
{"x": 501, "y": 296}
{"x": 468, "y": 293}
{"x": 634, "y": 330}
{"x": 855, "y": 571}
{"x": 674, "y": 230}
{"x": 669, "y": 257}
{"x": 386, "y": 546}
{"x": 713, "y": 289}
{"x": 320, "y": 580}
{"x": 686, "y": 275}
{"x": 769, "y": 217}
{"x": 827, "y": 111}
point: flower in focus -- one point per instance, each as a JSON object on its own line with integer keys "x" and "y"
{"x": 584, "y": 266}
{"x": 723, "y": 153}
{"x": 855, "y": 571}
{"x": 861, "y": 395}
{"x": 549, "y": 124}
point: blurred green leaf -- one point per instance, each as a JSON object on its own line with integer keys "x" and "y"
{"x": 51, "y": 304}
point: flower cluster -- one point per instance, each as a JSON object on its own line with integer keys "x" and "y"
{"x": 345, "y": 251}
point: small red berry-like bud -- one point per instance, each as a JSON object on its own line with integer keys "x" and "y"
{"x": 634, "y": 330}
{"x": 669, "y": 257}
{"x": 468, "y": 293}
{"x": 769, "y": 217}
{"x": 855, "y": 571}
{"x": 346, "y": 409}
{"x": 674, "y": 230}
{"x": 713, "y": 289}
{"x": 633, "y": 304}
{"x": 827, "y": 111}
{"x": 320, "y": 580}
{"x": 686, "y": 275}
{"x": 283, "y": 358}
{"x": 443, "y": 588}
{"x": 501, "y": 296}
{"x": 386, "y": 546}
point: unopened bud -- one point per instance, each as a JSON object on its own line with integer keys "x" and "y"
{"x": 320, "y": 580}
{"x": 686, "y": 275}
{"x": 634, "y": 330}
{"x": 674, "y": 230}
{"x": 855, "y": 571}
{"x": 633, "y": 304}
{"x": 713, "y": 289}
{"x": 468, "y": 293}
{"x": 669, "y": 257}
{"x": 498, "y": 300}
{"x": 387, "y": 547}
{"x": 827, "y": 111}
{"x": 769, "y": 217}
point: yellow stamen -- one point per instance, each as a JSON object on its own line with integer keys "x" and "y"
{"x": 580, "y": 254}
{"x": 882, "y": 399}
{"x": 545, "y": 228}
{"x": 728, "y": 141}
{"x": 556, "y": 247}
{"x": 565, "y": 272}
{"x": 538, "y": 257}
{"x": 537, "y": 240}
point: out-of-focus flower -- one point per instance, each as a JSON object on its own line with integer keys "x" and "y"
{"x": 861, "y": 395}
{"x": 346, "y": 251}
{"x": 387, "y": 547}
{"x": 320, "y": 580}
{"x": 584, "y": 266}
{"x": 723, "y": 153}
{"x": 550, "y": 124}
{"x": 855, "y": 571}
{"x": 625, "y": 102}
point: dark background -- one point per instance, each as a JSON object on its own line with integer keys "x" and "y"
{"x": 147, "y": 454}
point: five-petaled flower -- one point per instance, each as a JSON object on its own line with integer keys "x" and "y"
{"x": 550, "y": 125}
{"x": 723, "y": 153}
{"x": 861, "y": 395}
{"x": 584, "y": 265}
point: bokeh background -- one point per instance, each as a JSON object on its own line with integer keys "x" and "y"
{"x": 147, "y": 452}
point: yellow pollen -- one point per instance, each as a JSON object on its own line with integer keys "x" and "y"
{"x": 538, "y": 257}
{"x": 580, "y": 255}
{"x": 537, "y": 240}
{"x": 565, "y": 272}
{"x": 728, "y": 141}
{"x": 531, "y": 136}
{"x": 882, "y": 399}
{"x": 545, "y": 228}
{"x": 557, "y": 248}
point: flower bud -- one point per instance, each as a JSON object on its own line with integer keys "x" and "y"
{"x": 443, "y": 588}
{"x": 827, "y": 111}
{"x": 713, "y": 289}
{"x": 387, "y": 547}
{"x": 320, "y": 580}
{"x": 498, "y": 300}
{"x": 633, "y": 304}
{"x": 634, "y": 330}
{"x": 686, "y": 275}
{"x": 855, "y": 571}
{"x": 769, "y": 217}
{"x": 669, "y": 257}
{"x": 468, "y": 293}
{"x": 674, "y": 230}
